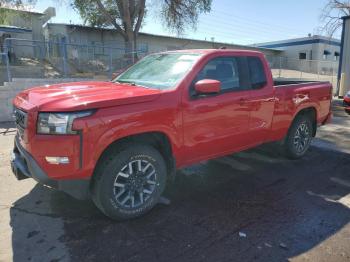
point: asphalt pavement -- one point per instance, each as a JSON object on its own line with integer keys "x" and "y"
{"x": 251, "y": 206}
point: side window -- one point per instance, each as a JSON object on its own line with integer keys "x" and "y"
{"x": 223, "y": 69}
{"x": 256, "y": 72}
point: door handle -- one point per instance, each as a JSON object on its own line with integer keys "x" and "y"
{"x": 242, "y": 101}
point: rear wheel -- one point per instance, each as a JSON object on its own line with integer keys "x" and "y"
{"x": 130, "y": 182}
{"x": 299, "y": 137}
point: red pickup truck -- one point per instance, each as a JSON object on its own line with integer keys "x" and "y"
{"x": 119, "y": 142}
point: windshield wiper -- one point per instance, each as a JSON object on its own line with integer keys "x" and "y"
{"x": 126, "y": 82}
{"x": 132, "y": 83}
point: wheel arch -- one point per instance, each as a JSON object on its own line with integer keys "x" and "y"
{"x": 159, "y": 140}
{"x": 311, "y": 112}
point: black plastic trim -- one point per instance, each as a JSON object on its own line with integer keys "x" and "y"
{"x": 34, "y": 170}
{"x": 80, "y": 133}
{"x": 23, "y": 166}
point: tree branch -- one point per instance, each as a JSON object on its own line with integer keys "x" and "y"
{"x": 332, "y": 13}
{"x": 110, "y": 18}
{"x": 126, "y": 16}
{"x": 141, "y": 13}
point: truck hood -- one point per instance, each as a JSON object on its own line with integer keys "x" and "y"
{"x": 82, "y": 95}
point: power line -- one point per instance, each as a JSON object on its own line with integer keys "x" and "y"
{"x": 208, "y": 29}
{"x": 246, "y": 26}
{"x": 249, "y": 20}
{"x": 232, "y": 37}
{"x": 255, "y": 26}
{"x": 205, "y": 30}
{"x": 252, "y": 28}
{"x": 234, "y": 28}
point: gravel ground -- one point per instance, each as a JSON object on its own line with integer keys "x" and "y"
{"x": 255, "y": 205}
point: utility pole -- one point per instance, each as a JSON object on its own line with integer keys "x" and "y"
{"x": 344, "y": 62}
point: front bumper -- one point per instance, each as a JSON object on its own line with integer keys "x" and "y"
{"x": 24, "y": 166}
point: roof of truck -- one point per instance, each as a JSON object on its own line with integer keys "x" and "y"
{"x": 210, "y": 51}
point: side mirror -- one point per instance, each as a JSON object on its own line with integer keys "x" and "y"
{"x": 207, "y": 86}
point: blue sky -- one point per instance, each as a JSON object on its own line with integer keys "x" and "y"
{"x": 230, "y": 21}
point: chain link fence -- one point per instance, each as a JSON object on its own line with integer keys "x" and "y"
{"x": 43, "y": 59}
{"x": 302, "y": 69}
{"x": 22, "y": 58}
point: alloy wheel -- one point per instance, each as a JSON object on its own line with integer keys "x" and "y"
{"x": 302, "y": 138}
{"x": 135, "y": 183}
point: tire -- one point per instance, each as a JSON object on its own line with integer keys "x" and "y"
{"x": 129, "y": 182}
{"x": 299, "y": 137}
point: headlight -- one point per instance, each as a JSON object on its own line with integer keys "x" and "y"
{"x": 59, "y": 123}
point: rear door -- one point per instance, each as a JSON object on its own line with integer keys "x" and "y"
{"x": 217, "y": 124}
{"x": 262, "y": 100}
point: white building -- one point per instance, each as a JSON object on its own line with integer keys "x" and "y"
{"x": 317, "y": 54}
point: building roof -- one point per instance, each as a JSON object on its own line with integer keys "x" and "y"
{"x": 14, "y": 29}
{"x": 346, "y": 17}
{"x": 25, "y": 11}
{"x": 300, "y": 41}
{"x": 163, "y": 36}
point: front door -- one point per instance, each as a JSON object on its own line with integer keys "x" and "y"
{"x": 217, "y": 124}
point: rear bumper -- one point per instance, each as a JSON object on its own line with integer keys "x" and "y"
{"x": 346, "y": 104}
{"x": 328, "y": 119}
{"x": 24, "y": 166}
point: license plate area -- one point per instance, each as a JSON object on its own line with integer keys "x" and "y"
{"x": 20, "y": 132}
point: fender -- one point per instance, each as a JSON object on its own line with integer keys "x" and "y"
{"x": 120, "y": 132}
{"x": 303, "y": 107}
{"x": 279, "y": 134}
{"x": 311, "y": 105}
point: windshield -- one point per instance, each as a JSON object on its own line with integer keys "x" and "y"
{"x": 159, "y": 71}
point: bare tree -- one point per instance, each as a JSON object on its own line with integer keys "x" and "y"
{"x": 332, "y": 14}
{"x": 127, "y": 16}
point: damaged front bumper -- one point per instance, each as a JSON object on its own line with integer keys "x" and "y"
{"x": 24, "y": 166}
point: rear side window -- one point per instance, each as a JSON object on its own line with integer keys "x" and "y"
{"x": 256, "y": 72}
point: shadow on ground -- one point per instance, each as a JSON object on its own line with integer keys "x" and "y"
{"x": 284, "y": 207}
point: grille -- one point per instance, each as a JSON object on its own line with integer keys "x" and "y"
{"x": 20, "y": 118}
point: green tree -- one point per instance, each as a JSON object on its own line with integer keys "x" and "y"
{"x": 332, "y": 14}
{"x": 15, "y": 3}
{"x": 127, "y": 16}
{"x": 8, "y": 7}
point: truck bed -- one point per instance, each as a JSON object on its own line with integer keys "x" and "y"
{"x": 295, "y": 95}
{"x": 283, "y": 83}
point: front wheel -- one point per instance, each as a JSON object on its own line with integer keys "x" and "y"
{"x": 299, "y": 137}
{"x": 130, "y": 182}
